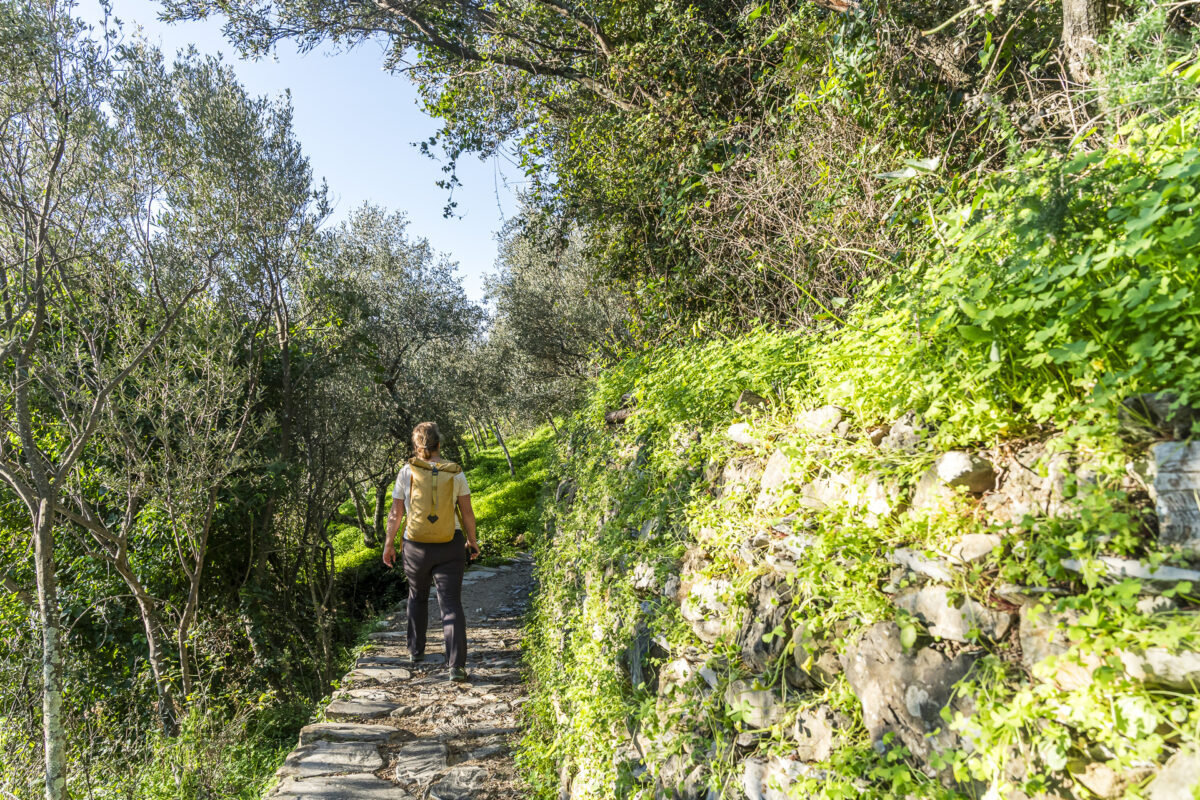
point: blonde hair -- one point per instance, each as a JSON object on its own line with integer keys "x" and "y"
{"x": 427, "y": 439}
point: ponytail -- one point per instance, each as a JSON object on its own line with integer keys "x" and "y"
{"x": 426, "y": 439}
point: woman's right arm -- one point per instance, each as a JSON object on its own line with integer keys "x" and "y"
{"x": 468, "y": 521}
{"x": 393, "y": 526}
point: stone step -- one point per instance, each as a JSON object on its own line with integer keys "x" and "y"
{"x": 421, "y": 761}
{"x": 369, "y": 659}
{"x": 349, "y": 732}
{"x": 331, "y": 758}
{"x": 460, "y": 783}
{"x": 340, "y": 787}
{"x": 379, "y": 674}
{"x": 361, "y": 704}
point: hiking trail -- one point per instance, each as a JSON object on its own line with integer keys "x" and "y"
{"x": 401, "y": 731}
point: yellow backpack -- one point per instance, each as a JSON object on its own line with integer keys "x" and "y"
{"x": 433, "y": 502}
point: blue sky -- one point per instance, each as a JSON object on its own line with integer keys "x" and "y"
{"x": 357, "y": 124}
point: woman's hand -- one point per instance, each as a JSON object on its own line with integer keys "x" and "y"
{"x": 389, "y": 554}
{"x": 472, "y": 550}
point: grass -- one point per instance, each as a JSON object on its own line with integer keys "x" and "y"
{"x": 508, "y": 507}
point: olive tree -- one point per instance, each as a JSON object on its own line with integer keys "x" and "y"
{"x": 553, "y": 321}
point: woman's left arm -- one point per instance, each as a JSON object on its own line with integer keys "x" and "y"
{"x": 468, "y": 522}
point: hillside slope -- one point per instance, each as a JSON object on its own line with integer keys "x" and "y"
{"x": 947, "y": 546}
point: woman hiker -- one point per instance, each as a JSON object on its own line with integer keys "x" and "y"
{"x": 433, "y": 494}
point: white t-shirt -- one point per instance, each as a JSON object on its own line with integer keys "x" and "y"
{"x": 403, "y": 491}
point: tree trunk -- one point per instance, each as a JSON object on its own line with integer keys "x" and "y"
{"x": 249, "y": 605}
{"x": 382, "y": 495}
{"x": 504, "y": 447}
{"x": 553, "y": 427}
{"x": 192, "y": 606}
{"x": 53, "y": 736}
{"x": 42, "y": 513}
{"x": 1084, "y": 21}
{"x": 368, "y": 531}
{"x": 321, "y": 597}
{"x": 168, "y": 713}
{"x": 257, "y": 622}
{"x": 479, "y": 442}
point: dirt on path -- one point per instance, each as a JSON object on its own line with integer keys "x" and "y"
{"x": 401, "y": 731}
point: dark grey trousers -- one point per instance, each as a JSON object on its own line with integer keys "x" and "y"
{"x": 440, "y": 564}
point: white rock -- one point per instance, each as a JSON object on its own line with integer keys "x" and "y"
{"x": 738, "y": 475}
{"x": 784, "y": 554}
{"x": 742, "y": 433}
{"x": 643, "y": 576}
{"x": 1156, "y": 604}
{"x": 707, "y": 609}
{"x": 881, "y": 498}
{"x": 777, "y": 475}
{"x": 772, "y": 780}
{"x": 907, "y": 434}
{"x": 1179, "y": 778}
{"x": 821, "y": 421}
{"x": 762, "y": 708}
{"x": 1121, "y": 568}
{"x": 1106, "y": 783}
{"x": 814, "y": 734}
{"x": 753, "y": 771}
{"x": 932, "y": 605}
{"x": 974, "y": 547}
{"x": 1176, "y": 467}
{"x": 674, "y": 674}
{"x": 922, "y": 564}
{"x": 1159, "y": 667}
{"x": 967, "y": 470}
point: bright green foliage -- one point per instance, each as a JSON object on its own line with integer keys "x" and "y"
{"x": 1065, "y": 286}
{"x": 699, "y": 384}
{"x": 505, "y": 506}
{"x": 229, "y": 758}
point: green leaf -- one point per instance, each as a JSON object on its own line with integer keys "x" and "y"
{"x": 973, "y": 333}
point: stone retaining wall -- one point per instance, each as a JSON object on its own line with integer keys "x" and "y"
{"x": 906, "y": 684}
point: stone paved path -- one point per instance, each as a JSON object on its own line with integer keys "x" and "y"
{"x": 401, "y": 731}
